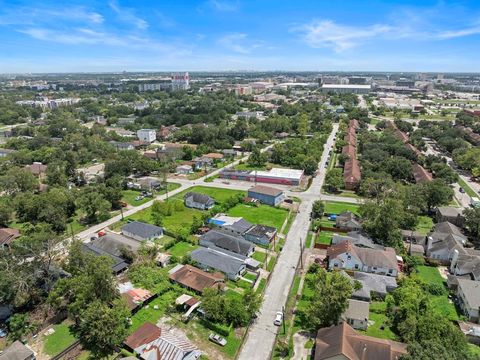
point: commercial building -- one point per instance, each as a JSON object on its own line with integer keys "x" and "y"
{"x": 180, "y": 81}
{"x": 273, "y": 176}
{"x": 345, "y": 89}
{"x": 266, "y": 195}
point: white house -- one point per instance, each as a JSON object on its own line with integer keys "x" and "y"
{"x": 468, "y": 294}
{"x": 148, "y": 135}
{"x": 356, "y": 314}
{"x": 346, "y": 256}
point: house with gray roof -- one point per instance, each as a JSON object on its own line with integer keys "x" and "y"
{"x": 118, "y": 264}
{"x": 116, "y": 244}
{"x": 450, "y": 214}
{"x": 17, "y": 351}
{"x": 142, "y": 231}
{"x": 228, "y": 242}
{"x": 373, "y": 284}
{"x": 356, "y": 314}
{"x": 231, "y": 264}
{"x": 234, "y": 225}
{"x": 468, "y": 295}
{"x": 348, "y": 221}
{"x": 198, "y": 201}
{"x": 261, "y": 234}
{"x": 356, "y": 238}
{"x": 466, "y": 264}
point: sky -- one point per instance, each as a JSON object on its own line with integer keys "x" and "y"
{"x": 220, "y": 35}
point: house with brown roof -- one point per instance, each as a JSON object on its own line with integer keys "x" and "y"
{"x": 196, "y": 279}
{"x": 150, "y": 342}
{"x": 346, "y": 256}
{"x": 400, "y": 135}
{"x": 37, "y": 169}
{"x": 352, "y": 174}
{"x": 420, "y": 174}
{"x": 7, "y": 236}
{"x": 350, "y": 151}
{"x": 214, "y": 156}
{"x": 342, "y": 342}
{"x": 354, "y": 124}
{"x": 350, "y": 138}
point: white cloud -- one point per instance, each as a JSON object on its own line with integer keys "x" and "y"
{"x": 235, "y": 42}
{"x": 128, "y": 15}
{"x": 223, "y": 5}
{"x": 327, "y": 33}
{"x": 34, "y": 15}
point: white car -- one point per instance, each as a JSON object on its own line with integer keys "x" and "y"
{"x": 278, "y": 318}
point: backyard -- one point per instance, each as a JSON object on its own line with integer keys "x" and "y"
{"x": 58, "y": 341}
{"x": 261, "y": 214}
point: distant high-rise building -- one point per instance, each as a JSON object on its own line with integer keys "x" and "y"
{"x": 180, "y": 81}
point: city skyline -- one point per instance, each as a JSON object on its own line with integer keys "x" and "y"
{"x": 221, "y": 35}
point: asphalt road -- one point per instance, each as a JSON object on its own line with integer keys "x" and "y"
{"x": 261, "y": 337}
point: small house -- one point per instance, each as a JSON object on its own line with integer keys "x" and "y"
{"x": 17, "y": 351}
{"x": 228, "y": 242}
{"x": 450, "y": 214}
{"x": 261, "y": 234}
{"x": 468, "y": 294}
{"x": 348, "y": 221}
{"x": 198, "y": 201}
{"x": 142, "y": 231}
{"x": 195, "y": 279}
{"x": 356, "y": 314}
{"x": 184, "y": 169}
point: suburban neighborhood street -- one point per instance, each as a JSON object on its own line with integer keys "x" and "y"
{"x": 261, "y": 337}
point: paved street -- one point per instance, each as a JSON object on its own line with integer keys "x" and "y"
{"x": 261, "y": 337}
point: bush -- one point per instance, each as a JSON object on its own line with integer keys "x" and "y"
{"x": 313, "y": 269}
{"x": 435, "y": 289}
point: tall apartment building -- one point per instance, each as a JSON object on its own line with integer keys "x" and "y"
{"x": 180, "y": 81}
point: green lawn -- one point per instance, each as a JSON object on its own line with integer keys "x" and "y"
{"x": 59, "y": 340}
{"x": 261, "y": 285}
{"x": 429, "y": 274}
{"x": 219, "y": 195}
{"x": 332, "y": 207}
{"x": 259, "y": 256}
{"x": 291, "y": 218}
{"x": 261, "y": 214}
{"x": 271, "y": 263}
{"x": 181, "y": 249}
{"x": 324, "y": 237}
{"x": 129, "y": 197}
{"x": 441, "y": 302}
{"x": 179, "y": 219}
{"x": 250, "y": 276}
{"x": 150, "y": 314}
{"x": 377, "y": 315}
{"x": 425, "y": 224}
{"x": 308, "y": 242}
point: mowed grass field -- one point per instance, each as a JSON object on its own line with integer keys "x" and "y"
{"x": 261, "y": 214}
{"x": 59, "y": 340}
{"x": 219, "y": 195}
{"x": 332, "y": 207}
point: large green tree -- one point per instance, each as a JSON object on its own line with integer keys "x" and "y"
{"x": 330, "y": 300}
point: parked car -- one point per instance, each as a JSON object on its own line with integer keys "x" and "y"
{"x": 462, "y": 190}
{"x": 3, "y": 333}
{"x": 139, "y": 197}
{"x": 278, "y": 318}
{"x": 217, "y": 339}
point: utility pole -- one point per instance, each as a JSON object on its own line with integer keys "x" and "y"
{"x": 121, "y": 210}
{"x": 283, "y": 320}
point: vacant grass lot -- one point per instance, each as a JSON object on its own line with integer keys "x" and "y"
{"x": 440, "y": 303}
{"x": 181, "y": 249}
{"x": 59, "y": 340}
{"x": 151, "y": 314}
{"x": 129, "y": 195}
{"x": 219, "y": 195}
{"x": 261, "y": 214}
{"x": 332, "y": 207}
{"x": 425, "y": 224}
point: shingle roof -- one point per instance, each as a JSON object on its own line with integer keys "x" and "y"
{"x": 118, "y": 263}
{"x": 196, "y": 279}
{"x": 240, "y": 226}
{"x": 113, "y": 244}
{"x": 344, "y": 340}
{"x": 351, "y": 171}
{"x": 357, "y": 310}
{"x": 16, "y": 351}
{"x": 385, "y": 258}
{"x": 7, "y": 235}
{"x": 226, "y": 241}
{"x": 449, "y": 211}
{"x": 471, "y": 291}
{"x": 143, "y": 230}
{"x": 420, "y": 174}
{"x": 199, "y": 198}
{"x": 449, "y": 228}
{"x": 219, "y": 259}
{"x": 262, "y": 230}
{"x": 266, "y": 190}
